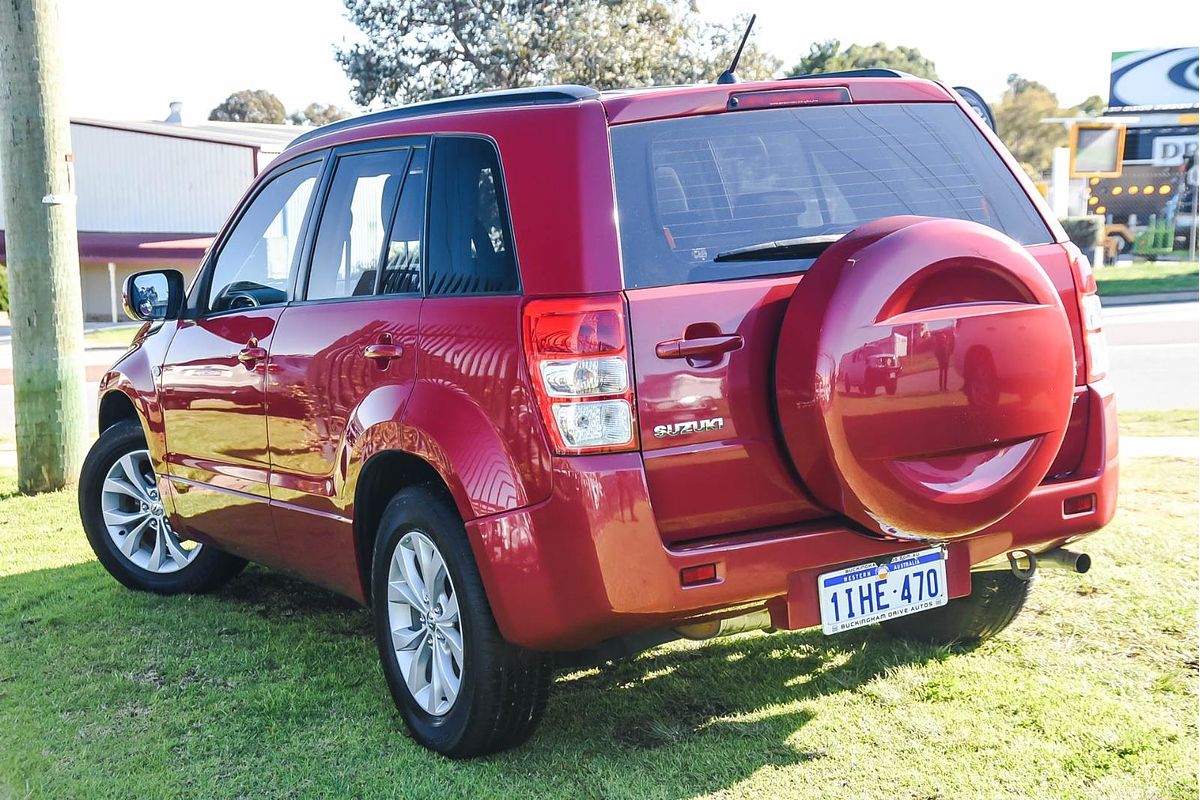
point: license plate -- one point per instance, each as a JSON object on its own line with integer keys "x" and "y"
{"x": 867, "y": 593}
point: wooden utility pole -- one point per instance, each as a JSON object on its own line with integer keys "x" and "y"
{"x": 43, "y": 251}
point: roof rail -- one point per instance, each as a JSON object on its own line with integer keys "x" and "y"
{"x": 874, "y": 72}
{"x": 505, "y": 98}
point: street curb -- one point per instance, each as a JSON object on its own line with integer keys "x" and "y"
{"x": 1147, "y": 299}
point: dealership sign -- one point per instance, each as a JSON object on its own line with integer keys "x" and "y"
{"x": 1170, "y": 151}
{"x": 1166, "y": 77}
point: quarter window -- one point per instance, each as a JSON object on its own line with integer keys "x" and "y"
{"x": 402, "y": 269}
{"x": 470, "y": 244}
{"x": 255, "y": 264}
{"x": 361, "y": 199}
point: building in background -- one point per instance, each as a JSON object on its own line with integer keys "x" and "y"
{"x": 154, "y": 194}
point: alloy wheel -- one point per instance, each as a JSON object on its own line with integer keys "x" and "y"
{"x": 423, "y": 616}
{"x": 136, "y": 519}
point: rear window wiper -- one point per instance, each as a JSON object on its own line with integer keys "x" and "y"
{"x": 800, "y": 247}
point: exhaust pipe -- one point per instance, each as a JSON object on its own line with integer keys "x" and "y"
{"x": 1068, "y": 559}
{"x": 1024, "y": 563}
{"x": 710, "y": 629}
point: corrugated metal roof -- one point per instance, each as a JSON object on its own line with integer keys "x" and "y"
{"x": 246, "y": 134}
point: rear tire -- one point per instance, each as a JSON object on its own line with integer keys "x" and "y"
{"x": 997, "y": 596}
{"x": 462, "y": 689}
{"x": 127, "y": 526}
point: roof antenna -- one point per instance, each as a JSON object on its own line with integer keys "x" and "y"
{"x": 729, "y": 75}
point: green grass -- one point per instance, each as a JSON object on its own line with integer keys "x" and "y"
{"x": 270, "y": 688}
{"x": 117, "y": 336}
{"x": 1178, "y": 422}
{"x": 1146, "y": 277}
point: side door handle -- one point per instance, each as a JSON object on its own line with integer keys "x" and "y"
{"x": 251, "y": 353}
{"x": 383, "y": 351}
{"x": 702, "y": 347}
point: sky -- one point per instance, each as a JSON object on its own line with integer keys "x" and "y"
{"x": 127, "y": 59}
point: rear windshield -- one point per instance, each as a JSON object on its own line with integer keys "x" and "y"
{"x": 692, "y": 189}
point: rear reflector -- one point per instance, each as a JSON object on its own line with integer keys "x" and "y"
{"x": 1095, "y": 345}
{"x": 779, "y": 98}
{"x": 1079, "y": 504}
{"x": 702, "y": 573}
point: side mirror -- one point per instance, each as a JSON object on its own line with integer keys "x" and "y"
{"x": 154, "y": 295}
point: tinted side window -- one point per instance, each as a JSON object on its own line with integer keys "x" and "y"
{"x": 470, "y": 245}
{"x": 358, "y": 207}
{"x": 256, "y": 261}
{"x": 402, "y": 270}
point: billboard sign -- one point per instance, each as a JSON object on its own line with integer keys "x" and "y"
{"x": 1166, "y": 77}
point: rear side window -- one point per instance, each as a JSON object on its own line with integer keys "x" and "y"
{"x": 469, "y": 243}
{"x": 692, "y": 189}
{"x": 358, "y": 207}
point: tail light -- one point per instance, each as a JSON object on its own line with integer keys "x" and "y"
{"x": 578, "y": 355}
{"x": 1095, "y": 345}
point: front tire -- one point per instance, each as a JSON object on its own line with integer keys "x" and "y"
{"x": 997, "y": 597}
{"x": 462, "y": 689}
{"x": 126, "y": 523}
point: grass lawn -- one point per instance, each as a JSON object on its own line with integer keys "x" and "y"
{"x": 1146, "y": 277}
{"x": 1178, "y": 422}
{"x": 117, "y": 336}
{"x": 270, "y": 688}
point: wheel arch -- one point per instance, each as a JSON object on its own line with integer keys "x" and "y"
{"x": 115, "y": 406}
{"x": 383, "y": 475}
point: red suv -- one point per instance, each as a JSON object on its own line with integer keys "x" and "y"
{"x": 556, "y": 371}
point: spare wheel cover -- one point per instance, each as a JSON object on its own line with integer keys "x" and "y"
{"x": 966, "y": 423}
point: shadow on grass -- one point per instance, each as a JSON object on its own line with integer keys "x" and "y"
{"x": 673, "y": 722}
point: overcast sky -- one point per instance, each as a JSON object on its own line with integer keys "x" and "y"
{"x": 127, "y": 59}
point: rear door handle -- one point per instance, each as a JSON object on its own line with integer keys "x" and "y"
{"x": 703, "y": 347}
{"x": 251, "y": 353}
{"x": 383, "y": 351}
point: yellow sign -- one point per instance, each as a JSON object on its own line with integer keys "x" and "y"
{"x": 1097, "y": 149}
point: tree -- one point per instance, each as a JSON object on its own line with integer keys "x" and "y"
{"x": 1092, "y": 107}
{"x": 1018, "y": 123}
{"x": 250, "y": 105}
{"x": 41, "y": 248}
{"x": 827, "y": 56}
{"x": 317, "y": 114}
{"x": 422, "y": 49}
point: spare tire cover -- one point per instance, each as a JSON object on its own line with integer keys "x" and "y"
{"x": 924, "y": 376}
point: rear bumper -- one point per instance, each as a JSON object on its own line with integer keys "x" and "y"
{"x": 588, "y": 564}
